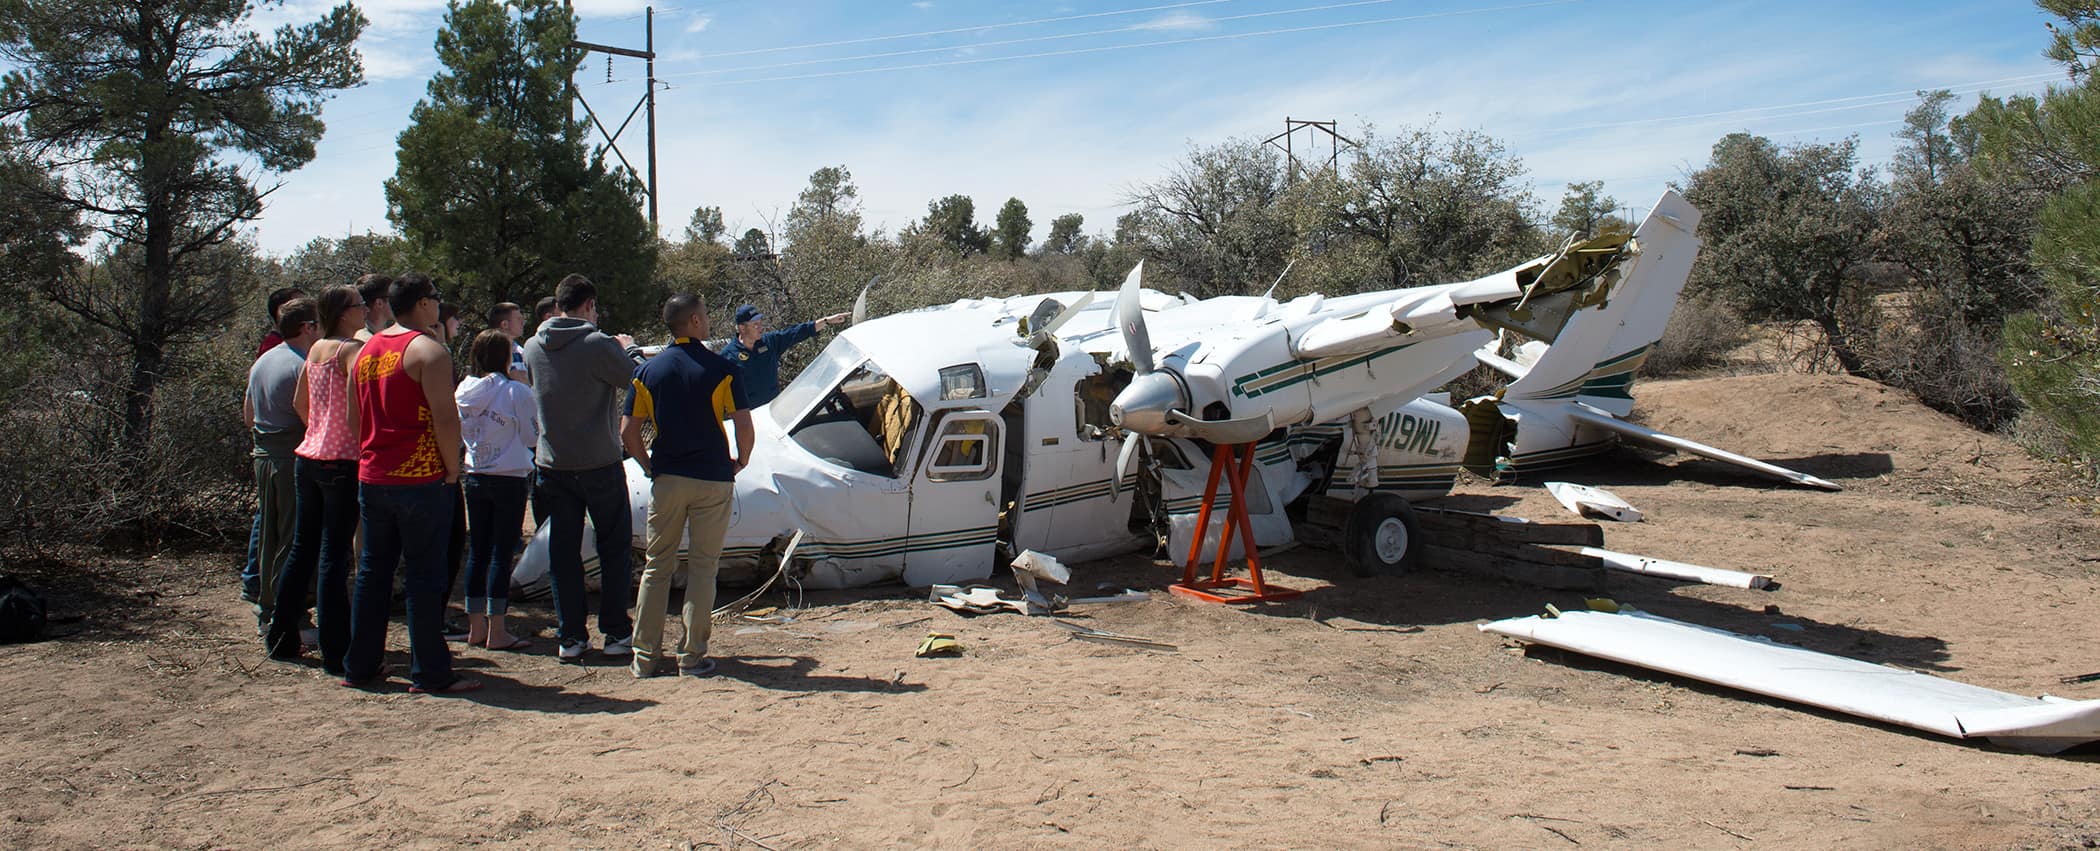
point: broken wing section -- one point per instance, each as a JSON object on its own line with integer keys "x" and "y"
{"x": 1759, "y": 666}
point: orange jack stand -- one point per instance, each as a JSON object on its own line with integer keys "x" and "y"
{"x": 1236, "y": 461}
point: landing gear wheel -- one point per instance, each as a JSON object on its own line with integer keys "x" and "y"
{"x": 1382, "y": 536}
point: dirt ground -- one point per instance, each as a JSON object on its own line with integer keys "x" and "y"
{"x": 1369, "y": 714}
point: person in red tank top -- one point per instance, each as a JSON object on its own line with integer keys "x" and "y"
{"x": 407, "y": 468}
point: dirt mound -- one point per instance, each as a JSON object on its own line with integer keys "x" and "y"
{"x": 1855, "y": 431}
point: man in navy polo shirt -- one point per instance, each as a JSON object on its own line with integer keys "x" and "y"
{"x": 757, "y": 351}
{"x": 686, "y": 392}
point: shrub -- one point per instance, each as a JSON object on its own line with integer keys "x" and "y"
{"x": 1701, "y": 335}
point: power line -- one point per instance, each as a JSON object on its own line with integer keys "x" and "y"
{"x": 1103, "y": 49}
{"x": 1013, "y": 41}
{"x": 977, "y": 28}
{"x": 1906, "y": 96}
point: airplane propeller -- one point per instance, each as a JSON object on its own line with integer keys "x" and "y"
{"x": 860, "y": 303}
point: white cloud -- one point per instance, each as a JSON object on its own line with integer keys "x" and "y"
{"x": 699, "y": 23}
{"x": 923, "y": 5}
{"x": 1177, "y": 22}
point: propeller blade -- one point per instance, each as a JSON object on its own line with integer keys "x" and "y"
{"x": 1130, "y": 319}
{"x": 860, "y": 303}
{"x": 1066, "y": 316}
{"x": 1266, "y": 302}
{"x": 1124, "y": 458}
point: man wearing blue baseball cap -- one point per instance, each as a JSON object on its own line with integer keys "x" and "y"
{"x": 757, "y": 351}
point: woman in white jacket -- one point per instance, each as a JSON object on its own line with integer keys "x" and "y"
{"x": 500, "y": 426}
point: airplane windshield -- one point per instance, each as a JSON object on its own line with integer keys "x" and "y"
{"x": 816, "y": 380}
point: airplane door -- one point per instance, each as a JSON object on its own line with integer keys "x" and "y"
{"x": 955, "y": 499}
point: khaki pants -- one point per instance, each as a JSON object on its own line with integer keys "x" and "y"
{"x": 700, "y": 510}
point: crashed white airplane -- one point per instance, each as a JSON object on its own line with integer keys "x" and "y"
{"x": 919, "y": 444}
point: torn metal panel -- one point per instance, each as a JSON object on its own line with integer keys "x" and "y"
{"x": 1587, "y": 501}
{"x": 1760, "y": 666}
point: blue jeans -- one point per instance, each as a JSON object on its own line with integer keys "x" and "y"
{"x": 564, "y": 497}
{"x": 326, "y": 501}
{"x": 406, "y": 525}
{"x": 495, "y": 517}
{"x": 251, "y": 570}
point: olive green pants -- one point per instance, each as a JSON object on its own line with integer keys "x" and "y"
{"x": 699, "y": 511}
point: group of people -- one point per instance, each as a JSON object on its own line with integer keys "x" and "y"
{"x": 367, "y": 439}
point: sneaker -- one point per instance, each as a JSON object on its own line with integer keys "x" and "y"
{"x": 572, "y": 650}
{"x": 643, "y": 671}
{"x": 706, "y": 668}
{"x": 455, "y": 631}
{"x": 619, "y": 646}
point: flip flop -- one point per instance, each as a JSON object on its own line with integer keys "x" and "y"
{"x": 377, "y": 678}
{"x": 515, "y": 644}
{"x": 461, "y": 685}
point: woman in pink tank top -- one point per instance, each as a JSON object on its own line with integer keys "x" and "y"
{"x": 325, "y": 484}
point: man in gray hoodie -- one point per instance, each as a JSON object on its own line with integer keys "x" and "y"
{"x": 580, "y": 378}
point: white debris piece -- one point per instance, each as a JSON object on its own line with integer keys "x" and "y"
{"x": 1678, "y": 570}
{"x": 1587, "y": 501}
{"x": 1761, "y": 666}
{"x": 1031, "y": 566}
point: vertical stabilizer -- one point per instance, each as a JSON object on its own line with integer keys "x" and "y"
{"x": 1594, "y": 357}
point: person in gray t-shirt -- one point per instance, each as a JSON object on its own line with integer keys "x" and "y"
{"x": 267, "y": 409}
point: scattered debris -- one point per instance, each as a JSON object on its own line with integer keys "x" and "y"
{"x": 1755, "y": 752}
{"x": 1760, "y": 666}
{"x": 1677, "y": 570}
{"x": 938, "y": 644}
{"x": 2093, "y": 677}
{"x": 1087, "y": 633}
{"x": 974, "y": 599}
{"x": 1031, "y": 566}
{"x": 1587, "y": 501}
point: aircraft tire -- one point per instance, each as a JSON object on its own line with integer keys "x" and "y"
{"x": 1382, "y": 537}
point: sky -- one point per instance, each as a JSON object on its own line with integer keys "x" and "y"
{"x": 1071, "y": 105}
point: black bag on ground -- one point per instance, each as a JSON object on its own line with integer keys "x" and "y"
{"x": 22, "y": 612}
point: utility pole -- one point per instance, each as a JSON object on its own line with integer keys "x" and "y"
{"x": 648, "y": 102}
{"x": 1291, "y": 126}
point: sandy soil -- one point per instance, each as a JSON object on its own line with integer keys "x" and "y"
{"x": 1369, "y": 714}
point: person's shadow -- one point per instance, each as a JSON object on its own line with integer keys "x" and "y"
{"x": 792, "y": 673}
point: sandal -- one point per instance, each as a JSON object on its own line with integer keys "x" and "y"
{"x": 459, "y": 685}
{"x": 377, "y": 678}
{"x": 515, "y": 644}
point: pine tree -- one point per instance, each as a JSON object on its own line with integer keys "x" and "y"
{"x": 494, "y": 177}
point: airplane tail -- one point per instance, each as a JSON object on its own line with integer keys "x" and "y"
{"x": 1594, "y": 356}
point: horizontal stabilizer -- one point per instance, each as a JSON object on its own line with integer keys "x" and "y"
{"x": 1851, "y": 686}
{"x": 1591, "y": 416}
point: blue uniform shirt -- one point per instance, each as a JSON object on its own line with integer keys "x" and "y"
{"x": 687, "y": 391}
{"x": 761, "y": 362}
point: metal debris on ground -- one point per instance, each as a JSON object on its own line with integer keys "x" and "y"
{"x": 1587, "y": 501}
{"x": 1087, "y": 633}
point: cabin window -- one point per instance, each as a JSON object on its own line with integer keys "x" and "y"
{"x": 963, "y": 381}
{"x": 963, "y": 451}
{"x": 865, "y": 422}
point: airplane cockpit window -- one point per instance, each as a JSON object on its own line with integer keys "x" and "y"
{"x": 864, "y": 422}
{"x": 815, "y": 380}
{"x": 962, "y": 381}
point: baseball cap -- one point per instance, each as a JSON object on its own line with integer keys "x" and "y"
{"x": 747, "y": 313}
